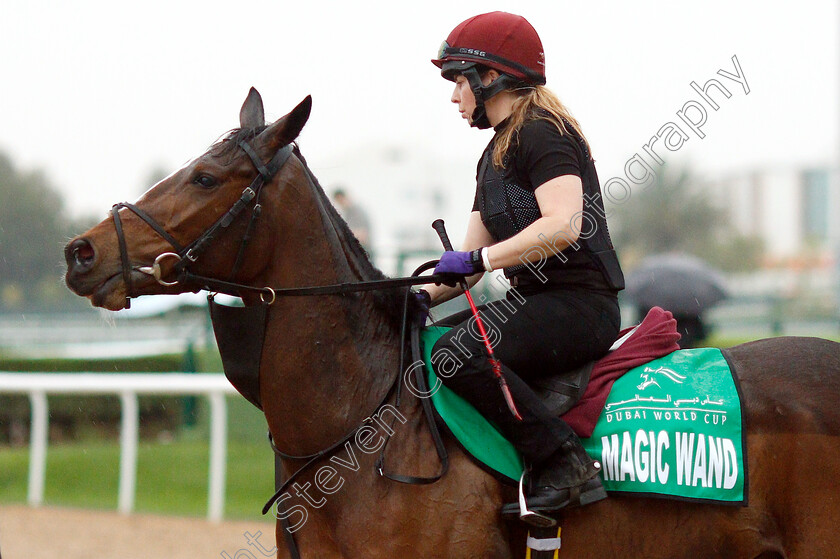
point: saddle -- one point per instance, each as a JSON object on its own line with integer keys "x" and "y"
{"x": 562, "y": 391}
{"x": 578, "y": 395}
{"x": 655, "y": 336}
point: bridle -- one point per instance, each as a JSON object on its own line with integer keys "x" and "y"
{"x": 186, "y": 255}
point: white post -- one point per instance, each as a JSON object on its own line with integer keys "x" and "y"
{"x": 218, "y": 455}
{"x": 128, "y": 452}
{"x": 38, "y": 447}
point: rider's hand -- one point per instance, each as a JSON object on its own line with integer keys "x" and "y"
{"x": 459, "y": 264}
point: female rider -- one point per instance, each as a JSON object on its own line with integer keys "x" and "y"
{"x": 538, "y": 215}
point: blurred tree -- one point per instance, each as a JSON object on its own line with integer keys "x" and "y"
{"x": 33, "y": 229}
{"x": 672, "y": 214}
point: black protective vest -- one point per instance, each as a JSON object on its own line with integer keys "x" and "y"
{"x": 507, "y": 208}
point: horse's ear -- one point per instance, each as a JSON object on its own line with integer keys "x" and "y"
{"x": 252, "y": 115}
{"x": 286, "y": 129}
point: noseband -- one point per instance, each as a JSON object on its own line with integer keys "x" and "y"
{"x": 185, "y": 255}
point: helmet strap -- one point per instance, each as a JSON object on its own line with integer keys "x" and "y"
{"x": 483, "y": 92}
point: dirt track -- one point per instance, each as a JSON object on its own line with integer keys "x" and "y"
{"x": 30, "y": 533}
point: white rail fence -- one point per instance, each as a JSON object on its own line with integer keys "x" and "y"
{"x": 127, "y": 386}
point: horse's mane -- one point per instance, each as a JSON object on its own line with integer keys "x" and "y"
{"x": 389, "y": 301}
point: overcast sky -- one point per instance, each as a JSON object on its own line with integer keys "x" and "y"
{"x": 100, "y": 93}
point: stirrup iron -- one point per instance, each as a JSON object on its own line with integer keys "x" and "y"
{"x": 532, "y": 517}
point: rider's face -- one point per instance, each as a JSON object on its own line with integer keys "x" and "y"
{"x": 463, "y": 96}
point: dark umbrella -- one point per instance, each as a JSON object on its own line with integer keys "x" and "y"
{"x": 679, "y": 283}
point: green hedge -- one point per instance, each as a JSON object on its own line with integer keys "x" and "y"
{"x": 79, "y": 417}
{"x": 153, "y": 363}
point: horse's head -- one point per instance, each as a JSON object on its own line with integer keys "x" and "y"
{"x": 198, "y": 216}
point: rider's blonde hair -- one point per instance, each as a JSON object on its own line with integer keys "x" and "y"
{"x": 530, "y": 106}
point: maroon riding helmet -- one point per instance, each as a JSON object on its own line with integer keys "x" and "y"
{"x": 498, "y": 40}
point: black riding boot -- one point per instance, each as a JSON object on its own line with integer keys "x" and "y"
{"x": 569, "y": 477}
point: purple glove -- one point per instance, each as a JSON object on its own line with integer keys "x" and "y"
{"x": 459, "y": 264}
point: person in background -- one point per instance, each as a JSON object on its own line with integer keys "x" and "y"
{"x": 355, "y": 217}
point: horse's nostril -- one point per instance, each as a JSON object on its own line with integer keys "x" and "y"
{"x": 80, "y": 253}
{"x": 83, "y": 254}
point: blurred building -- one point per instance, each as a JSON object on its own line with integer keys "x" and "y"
{"x": 794, "y": 210}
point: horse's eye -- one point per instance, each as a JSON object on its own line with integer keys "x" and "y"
{"x": 205, "y": 181}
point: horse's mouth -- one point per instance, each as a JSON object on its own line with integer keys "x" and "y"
{"x": 110, "y": 294}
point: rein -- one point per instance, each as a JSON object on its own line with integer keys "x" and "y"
{"x": 269, "y": 294}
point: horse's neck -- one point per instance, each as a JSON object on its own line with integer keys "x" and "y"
{"x": 327, "y": 359}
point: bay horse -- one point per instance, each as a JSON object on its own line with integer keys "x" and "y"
{"x": 327, "y": 361}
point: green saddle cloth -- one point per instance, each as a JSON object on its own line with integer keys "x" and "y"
{"x": 670, "y": 428}
{"x": 477, "y": 435}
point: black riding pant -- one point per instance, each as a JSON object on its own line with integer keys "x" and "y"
{"x": 533, "y": 336}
